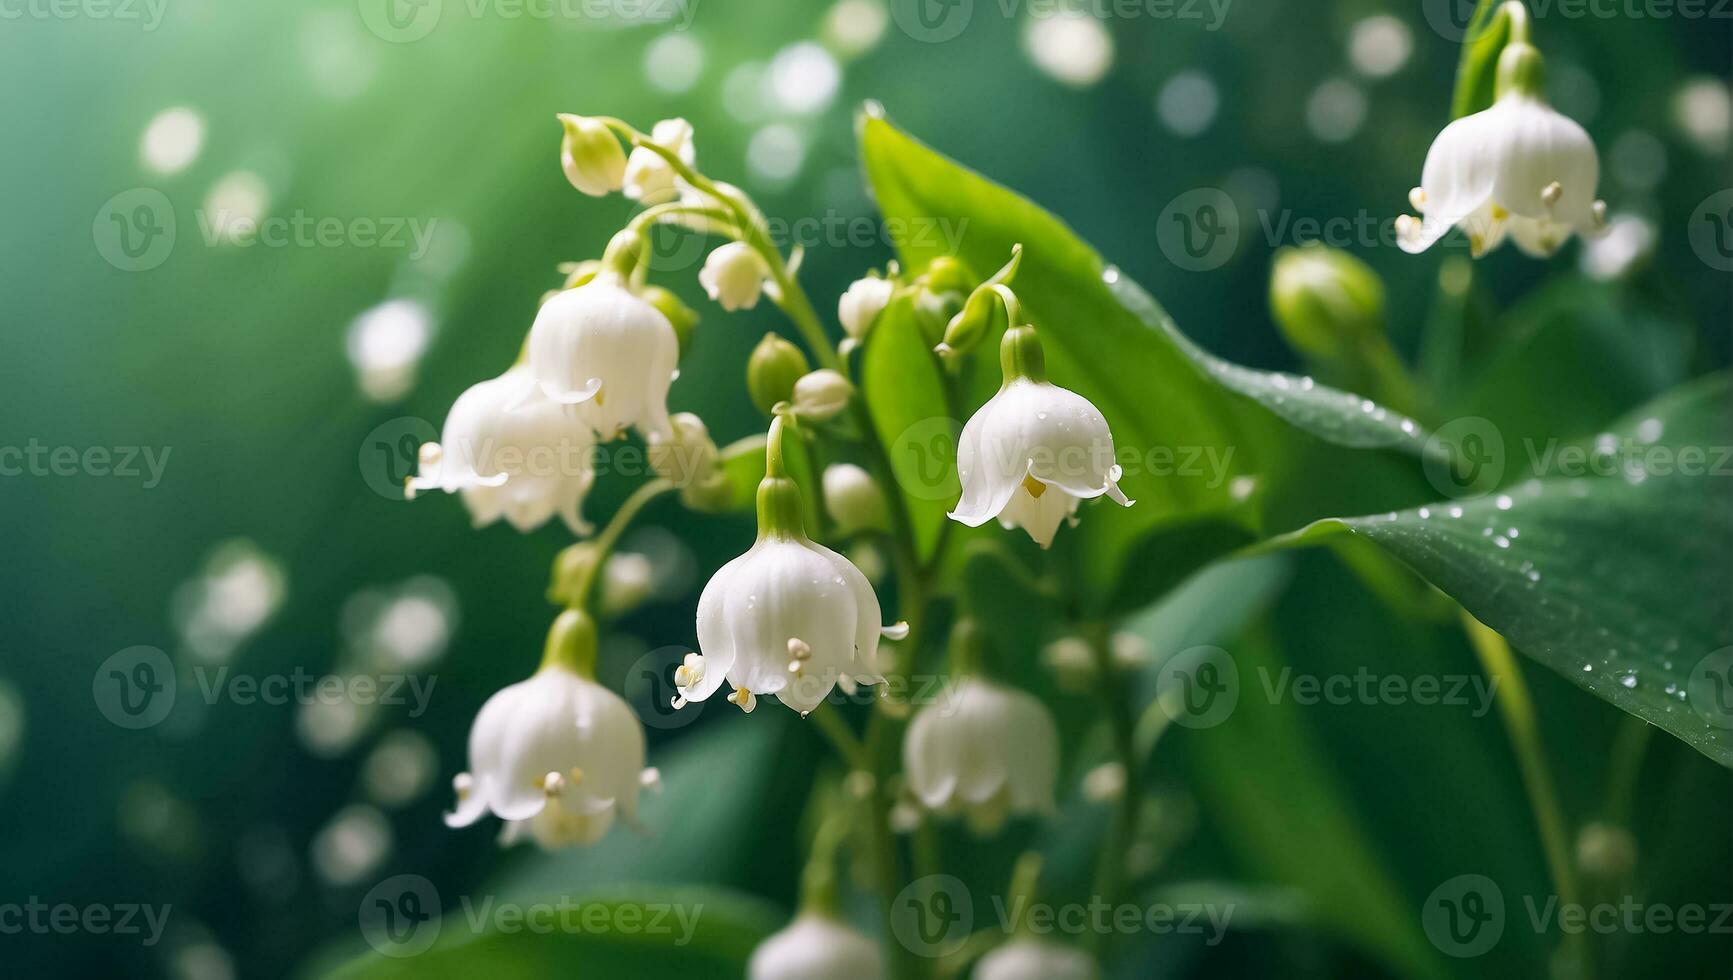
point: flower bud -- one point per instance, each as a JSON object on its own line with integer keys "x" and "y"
{"x": 574, "y": 566}
{"x": 862, "y": 303}
{"x": 970, "y": 325}
{"x": 1606, "y": 852}
{"x": 1326, "y": 302}
{"x": 853, "y": 501}
{"x": 772, "y": 372}
{"x": 821, "y": 395}
{"x": 626, "y": 583}
{"x": 734, "y": 276}
{"x": 687, "y": 455}
{"x": 591, "y": 155}
{"x": 683, "y": 317}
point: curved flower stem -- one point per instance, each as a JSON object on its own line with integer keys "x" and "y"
{"x": 604, "y": 543}
{"x": 1623, "y": 768}
{"x": 1517, "y": 709}
{"x": 1110, "y": 865}
{"x": 836, "y": 731}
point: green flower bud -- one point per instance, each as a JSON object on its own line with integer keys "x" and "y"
{"x": 947, "y": 274}
{"x": 1327, "y": 303}
{"x": 683, "y": 317}
{"x": 591, "y": 155}
{"x": 772, "y": 372}
{"x": 574, "y": 567}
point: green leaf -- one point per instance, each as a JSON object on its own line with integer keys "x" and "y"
{"x": 905, "y": 393}
{"x": 1477, "y": 71}
{"x": 1614, "y": 581}
{"x": 1201, "y": 440}
{"x": 686, "y": 933}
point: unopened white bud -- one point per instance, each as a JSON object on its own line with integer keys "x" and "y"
{"x": 853, "y": 500}
{"x": 591, "y": 156}
{"x": 733, "y": 276}
{"x": 821, "y": 395}
{"x": 862, "y": 304}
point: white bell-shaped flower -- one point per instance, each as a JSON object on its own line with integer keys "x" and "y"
{"x": 1034, "y": 451}
{"x": 1519, "y": 168}
{"x": 816, "y": 947}
{"x": 511, "y": 452}
{"x": 558, "y": 755}
{"x": 607, "y": 351}
{"x": 790, "y": 617}
{"x": 1036, "y": 959}
{"x": 983, "y": 750}
{"x": 733, "y": 276}
{"x": 649, "y": 177}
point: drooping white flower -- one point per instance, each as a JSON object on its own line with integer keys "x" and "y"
{"x": 1036, "y": 959}
{"x": 1519, "y": 168}
{"x": 1034, "y": 451}
{"x": 986, "y": 751}
{"x": 650, "y": 178}
{"x": 512, "y": 453}
{"x": 862, "y": 303}
{"x": 790, "y": 617}
{"x": 557, "y": 755}
{"x": 816, "y": 947}
{"x": 607, "y": 351}
{"x": 733, "y": 275}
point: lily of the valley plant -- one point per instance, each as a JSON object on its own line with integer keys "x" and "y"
{"x": 561, "y": 759}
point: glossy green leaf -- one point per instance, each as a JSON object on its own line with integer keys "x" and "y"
{"x": 905, "y": 393}
{"x": 1617, "y": 580}
{"x": 650, "y": 933}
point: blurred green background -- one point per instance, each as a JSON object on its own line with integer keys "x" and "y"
{"x": 275, "y": 385}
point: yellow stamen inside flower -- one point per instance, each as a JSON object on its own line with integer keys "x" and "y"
{"x": 1035, "y": 487}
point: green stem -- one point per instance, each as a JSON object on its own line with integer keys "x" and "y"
{"x": 1517, "y": 709}
{"x": 604, "y": 543}
{"x": 1624, "y": 767}
{"x": 836, "y": 731}
{"x": 1110, "y": 866}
